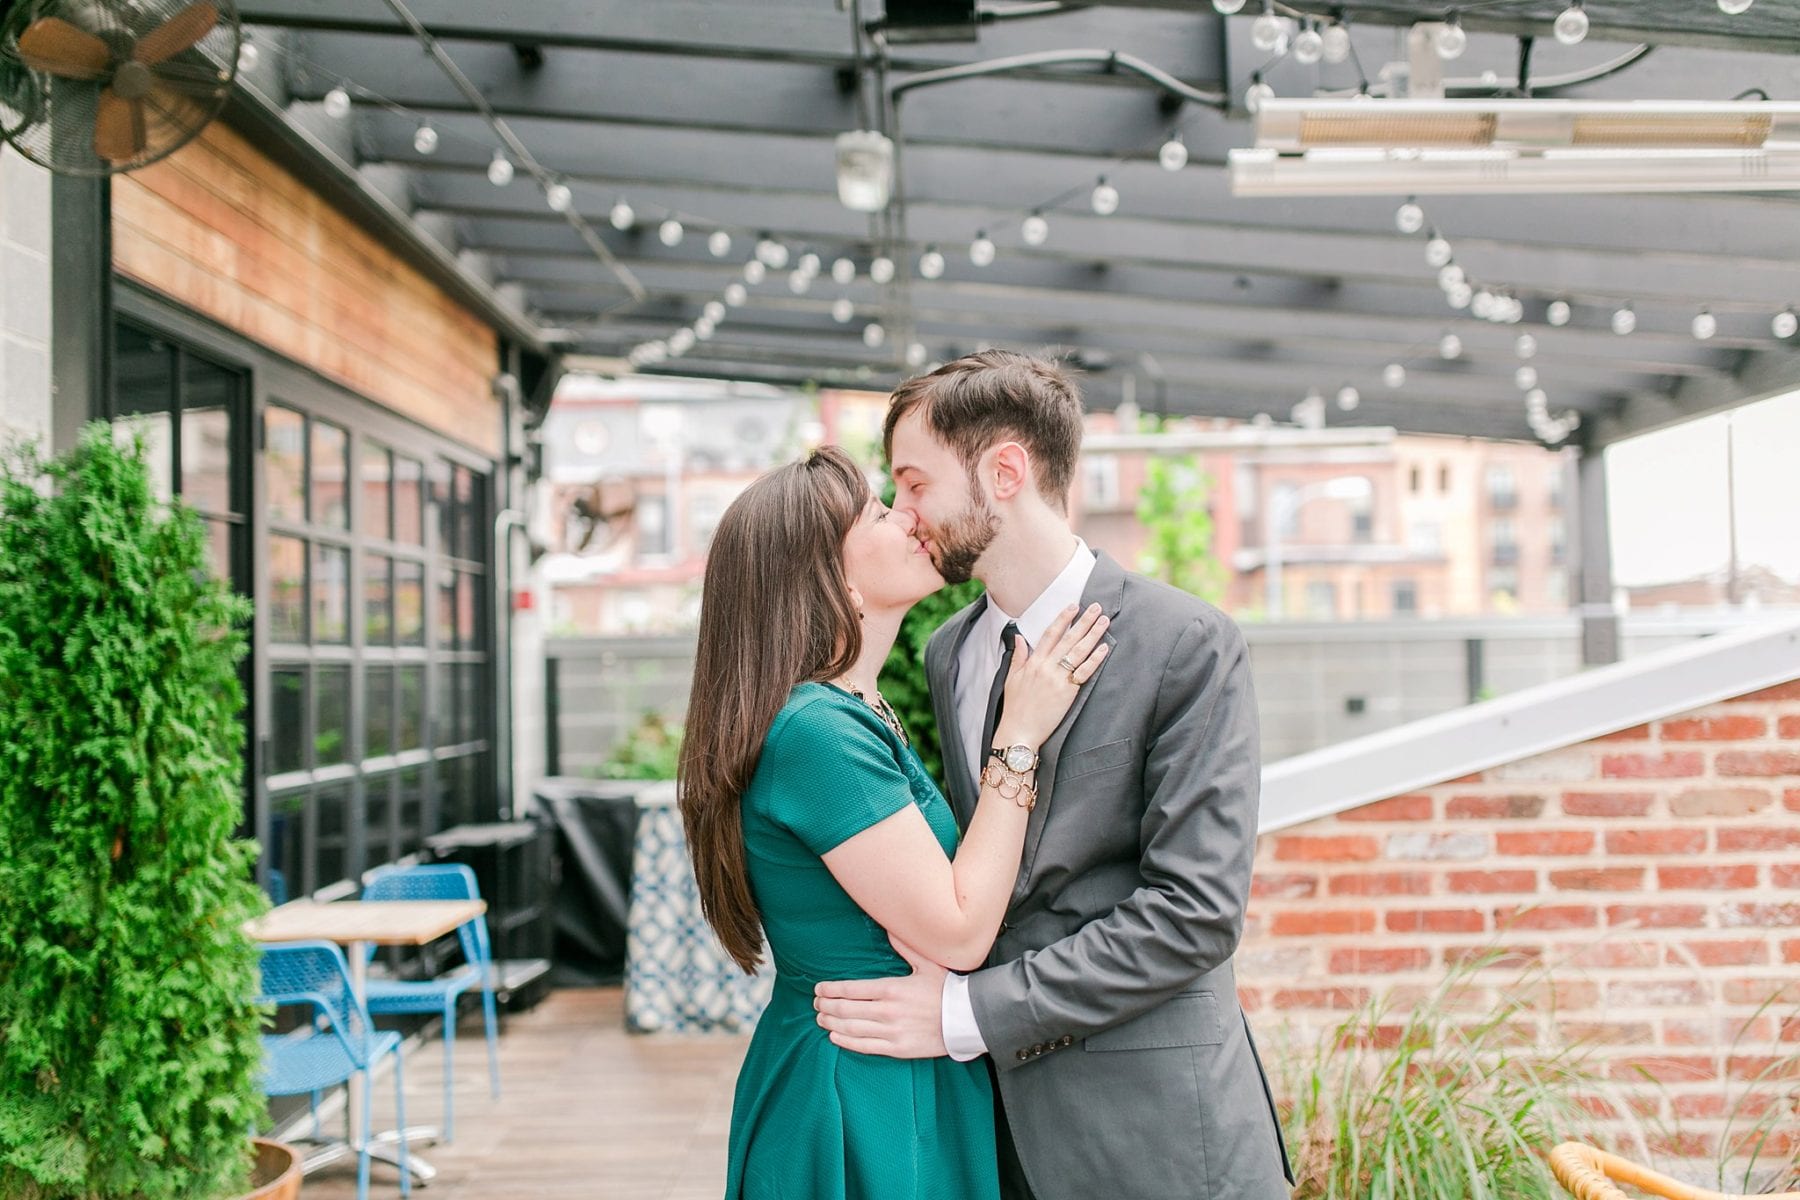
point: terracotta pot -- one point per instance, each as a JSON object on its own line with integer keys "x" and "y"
{"x": 276, "y": 1175}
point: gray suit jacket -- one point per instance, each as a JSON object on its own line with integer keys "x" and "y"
{"x": 1109, "y": 1004}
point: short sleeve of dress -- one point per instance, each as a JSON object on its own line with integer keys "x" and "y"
{"x": 834, "y": 775}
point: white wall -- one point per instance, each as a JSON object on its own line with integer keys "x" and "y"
{"x": 24, "y": 300}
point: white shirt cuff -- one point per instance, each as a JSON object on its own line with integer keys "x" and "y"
{"x": 962, "y": 1037}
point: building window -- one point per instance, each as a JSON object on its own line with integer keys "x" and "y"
{"x": 1415, "y": 480}
{"x": 1100, "y": 481}
{"x": 1281, "y": 503}
{"x": 1362, "y": 517}
{"x": 1503, "y": 585}
{"x": 1405, "y": 597}
{"x": 1444, "y": 478}
{"x": 1502, "y": 488}
{"x": 653, "y": 541}
{"x": 1321, "y": 601}
{"x": 1503, "y": 538}
{"x": 1559, "y": 540}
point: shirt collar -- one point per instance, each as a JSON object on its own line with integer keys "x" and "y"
{"x": 1064, "y": 590}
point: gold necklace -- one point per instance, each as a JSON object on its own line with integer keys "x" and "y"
{"x": 884, "y": 710}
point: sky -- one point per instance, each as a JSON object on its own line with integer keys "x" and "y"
{"x": 1668, "y": 497}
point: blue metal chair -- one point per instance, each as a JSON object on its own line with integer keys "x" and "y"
{"x": 340, "y": 1043}
{"x": 444, "y": 881}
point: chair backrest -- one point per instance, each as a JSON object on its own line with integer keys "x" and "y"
{"x": 296, "y": 972}
{"x": 436, "y": 881}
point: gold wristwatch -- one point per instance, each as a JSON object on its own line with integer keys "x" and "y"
{"x": 1006, "y": 770}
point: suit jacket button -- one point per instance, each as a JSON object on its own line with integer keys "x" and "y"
{"x": 1066, "y": 1040}
{"x": 1024, "y": 1054}
{"x": 1038, "y": 1049}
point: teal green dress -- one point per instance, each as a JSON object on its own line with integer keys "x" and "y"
{"x": 811, "y": 1121}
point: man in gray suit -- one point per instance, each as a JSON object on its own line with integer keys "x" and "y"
{"x": 1123, "y": 1063}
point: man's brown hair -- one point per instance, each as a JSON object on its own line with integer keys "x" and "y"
{"x": 995, "y": 396}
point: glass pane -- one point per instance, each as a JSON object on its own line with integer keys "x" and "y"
{"x": 456, "y": 791}
{"x": 443, "y": 705}
{"x": 219, "y": 536}
{"x": 331, "y": 594}
{"x": 409, "y": 509}
{"x": 330, "y": 469}
{"x": 446, "y": 609}
{"x": 409, "y": 602}
{"x": 333, "y": 804}
{"x": 468, "y": 711}
{"x": 442, "y": 495}
{"x": 376, "y": 521}
{"x": 284, "y": 462}
{"x": 465, "y": 611}
{"x": 378, "y": 711}
{"x": 143, "y": 371}
{"x": 409, "y": 817}
{"x": 409, "y": 727}
{"x": 378, "y": 822}
{"x": 287, "y": 590}
{"x": 331, "y": 742}
{"x": 378, "y": 601}
{"x": 287, "y": 719}
{"x": 287, "y": 843}
{"x": 463, "y": 508}
{"x": 206, "y": 458}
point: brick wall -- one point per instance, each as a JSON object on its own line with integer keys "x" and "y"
{"x": 1658, "y": 870}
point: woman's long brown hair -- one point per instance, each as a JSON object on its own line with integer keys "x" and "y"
{"x": 775, "y": 612}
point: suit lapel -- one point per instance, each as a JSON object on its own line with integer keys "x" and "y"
{"x": 941, "y": 657}
{"x": 1105, "y": 587}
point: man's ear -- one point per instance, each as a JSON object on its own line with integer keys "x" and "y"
{"x": 1010, "y": 470}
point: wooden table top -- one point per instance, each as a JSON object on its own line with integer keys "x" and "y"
{"x": 383, "y": 922}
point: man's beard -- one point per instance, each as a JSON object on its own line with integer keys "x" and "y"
{"x": 963, "y": 539}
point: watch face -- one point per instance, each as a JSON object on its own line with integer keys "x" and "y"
{"x": 1020, "y": 758}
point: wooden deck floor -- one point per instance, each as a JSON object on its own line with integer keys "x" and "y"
{"x": 588, "y": 1111}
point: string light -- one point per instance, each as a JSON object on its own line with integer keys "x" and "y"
{"x": 1269, "y": 33}
{"x": 981, "y": 250}
{"x": 1337, "y": 42}
{"x": 843, "y": 271}
{"x": 1785, "y": 324}
{"x": 1174, "y": 153}
{"x": 1105, "y": 198}
{"x": 248, "y": 55}
{"x": 1624, "y": 320}
{"x": 425, "y": 139}
{"x": 1526, "y": 346}
{"x": 1705, "y": 325}
{"x": 916, "y": 354}
{"x": 1394, "y": 375}
{"x": 1227, "y": 8}
{"x": 559, "y": 197}
{"x": 799, "y": 282}
{"x": 873, "y": 335}
{"x": 931, "y": 263}
{"x": 1732, "y": 8}
{"x": 1309, "y": 45}
{"x": 714, "y": 311}
{"x": 719, "y": 243}
{"x": 670, "y": 232}
{"x": 1449, "y": 39}
{"x": 1256, "y": 93}
{"x": 1409, "y": 217}
{"x": 881, "y": 269}
{"x": 681, "y": 341}
{"x": 771, "y": 253}
{"x": 842, "y": 310}
{"x": 1460, "y": 296}
{"x": 703, "y": 328}
{"x": 1034, "y": 229}
{"x": 1449, "y": 275}
{"x": 755, "y": 272}
{"x": 810, "y": 263}
{"x": 1450, "y": 346}
{"x": 1526, "y": 378}
{"x": 735, "y": 294}
{"x": 1558, "y": 313}
{"x": 1438, "y": 251}
{"x": 337, "y": 102}
{"x": 621, "y": 217}
{"x": 1571, "y": 24}
{"x": 1348, "y": 398}
{"x": 500, "y": 169}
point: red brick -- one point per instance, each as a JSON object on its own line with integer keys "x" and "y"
{"x": 1610, "y": 1033}
{"x": 1396, "y": 808}
{"x": 1382, "y": 883}
{"x": 1509, "y": 957}
{"x": 1617, "y": 954}
{"x": 1607, "y": 804}
{"x": 1771, "y": 916}
{"x": 1438, "y": 920}
{"x": 1700, "y": 1106}
{"x": 1790, "y": 799}
{"x": 1781, "y": 691}
{"x": 1284, "y": 887}
{"x": 1326, "y": 997}
{"x": 1681, "y": 1145}
{"x": 1789, "y": 727}
{"x": 1494, "y": 807}
{"x": 1598, "y": 879}
{"x": 1637, "y": 733}
{"x": 1303, "y": 924}
{"x": 1706, "y": 878}
{"x": 1552, "y": 916}
{"x": 1378, "y": 962}
{"x": 1759, "y": 763}
{"x": 1655, "y": 841}
{"x": 1492, "y": 881}
{"x": 1657, "y": 916}
{"x": 1759, "y": 991}
{"x": 1664, "y": 1068}
{"x": 1656, "y": 993}
{"x": 1560, "y": 841}
{"x": 1785, "y": 875}
{"x": 1719, "y": 954}
{"x": 1751, "y": 1066}
{"x": 1720, "y": 802}
{"x": 1326, "y": 849}
{"x": 1676, "y": 764}
{"x": 1760, "y": 838}
{"x": 1790, "y": 950}
{"x": 1714, "y": 729}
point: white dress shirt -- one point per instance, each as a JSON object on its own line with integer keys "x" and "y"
{"x": 975, "y": 667}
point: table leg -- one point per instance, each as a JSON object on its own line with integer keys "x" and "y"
{"x": 382, "y": 1146}
{"x": 359, "y": 987}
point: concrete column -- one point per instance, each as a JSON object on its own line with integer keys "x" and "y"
{"x": 1593, "y": 551}
{"x": 24, "y": 300}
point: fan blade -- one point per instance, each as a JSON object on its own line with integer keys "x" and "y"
{"x": 52, "y": 45}
{"x": 118, "y": 128}
{"x": 176, "y": 34}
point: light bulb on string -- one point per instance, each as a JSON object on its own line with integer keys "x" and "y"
{"x": 981, "y": 250}
{"x": 703, "y": 328}
{"x": 248, "y": 55}
{"x": 1705, "y": 325}
{"x": 425, "y": 138}
{"x": 718, "y": 243}
{"x": 1174, "y": 153}
{"x": 1483, "y": 304}
{"x": 1624, "y": 320}
{"x": 1526, "y": 346}
{"x": 1309, "y": 45}
{"x": 1526, "y": 378}
{"x": 1438, "y": 251}
{"x": 670, "y": 232}
{"x": 1348, "y": 398}
{"x": 681, "y": 341}
{"x": 1034, "y": 229}
{"x": 1394, "y": 375}
{"x": 558, "y": 196}
{"x": 799, "y": 282}
{"x": 1571, "y": 26}
{"x": 621, "y": 217}
{"x": 713, "y": 311}
{"x": 1337, "y": 42}
{"x": 1450, "y": 346}
{"x": 1537, "y": 402}
{"x": 1409, "y": 217}
{"x": 843, "y": 271}
{"x": 1449, "y": 39}
{"x": 735, "y": 294}
{"x": 931, "y": 263}
{"x": 1558, "y": 313}
{"x": 1785, "y": 324}
{"x": 1268, "y": 30}
{"x": 337, "y": 102}
{"x": 1256, "y": 93}
{"x": 810, "y": 263}
{"x": 873, "y": 334}
{"x": 1450, "y": 275}
{"x": 1105, "y": 198}
{"x": 916, "y": 354}
{"x": 771, "y": 253}
{"x": 1228, "y": 8}
{"x": 1732, "y": 8}
{"x": 1460, "y": 296}
{"x": 755, "y": 272}
{"x": 881, "y": 269}
{"x": 842, "y": 310}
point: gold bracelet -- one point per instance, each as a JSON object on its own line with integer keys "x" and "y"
{"x": 1010, "y": 784}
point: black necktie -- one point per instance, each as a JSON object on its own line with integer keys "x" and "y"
{"x": 996, "y": 695}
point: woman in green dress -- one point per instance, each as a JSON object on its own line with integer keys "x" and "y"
{"x": 812, "y": 821}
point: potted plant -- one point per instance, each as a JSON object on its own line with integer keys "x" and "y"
{"x": 129, "y": 1040}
